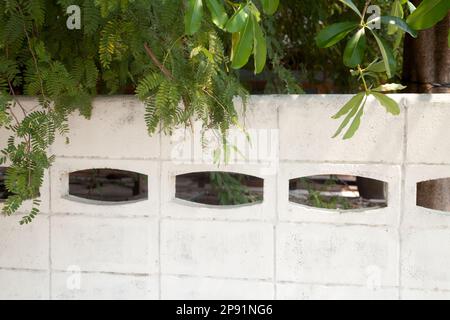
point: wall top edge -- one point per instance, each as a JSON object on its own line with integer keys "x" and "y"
{"x": 411, "y": 100}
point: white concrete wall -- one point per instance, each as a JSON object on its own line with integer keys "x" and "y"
{"x": 164, "y": 248}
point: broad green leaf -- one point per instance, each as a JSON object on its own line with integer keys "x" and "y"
{"x": 355, "y": 49}
{"x": 398, "y": 22}
{"x": 355, "y": 124}
{"x": 377, "y": 67}
{"x": 237, "y": 21}
{"x": 355, "y": 101}
{"x": 347, "y": 119}
{"x": 388, "y": 57}
{"x": 244, "y": 46}
{"x": 390, "y": 104}
{"x": 396, "y": 11}
{"x": 260, "y": 47}
{"x": 351, "y": 5}
{"x": 333, "y": 34}
{"x": 389, "y": 87}
{"x": 270, "y": 6}
{"x": 218, "y": 14}
{"x": 193, "y": 17}
{"x": 428, "y": 13}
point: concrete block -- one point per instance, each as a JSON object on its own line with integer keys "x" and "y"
{"x": 425, "y": 259}
{"x": 345, "y": 255}
{"x": 428, "y": 118}
{"x": 295, "y": 291}
{"x": 290, "y": 211}
{"x": 420, "y": 217}
{"x": 26, "y": 246}
{"x": 173, "y": 207}
{"x": 116, "y": 130}
{"x": 189, "y": 288}
{"x": 62, "y": 202}
{"x": 101, "y": 286}
{"x": 414, "y": 294}
{"x": 257, "y": 143}
{"x": 306, "y": 129}
{"x": 24, "y": 285}
{"x": 105, "y": 244}
{"x": 217, "y": 249}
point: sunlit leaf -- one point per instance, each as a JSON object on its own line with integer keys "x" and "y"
{"x": 260, "y": 47}
{"x": 355, "y": 124}
{"x": 388, "y": 57}
{"x": 389, "y": 87}
{"x": 333, "y": 34}
{"x": 354, "y": 51}
{"x": 218, "y": 14}
{"x": 428, "y": 13}
{"x": 194, "y": 15}
{"x": 351, "y": 5}
{"x": 244, "y": 46}
{"x": 390, "y": 104}
{"x": 355, "y": 101}
{"x": 270, "y": 6}
{"x": 237, "y": 21}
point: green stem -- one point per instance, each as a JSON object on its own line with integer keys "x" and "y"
{"x": 366, "y": 6}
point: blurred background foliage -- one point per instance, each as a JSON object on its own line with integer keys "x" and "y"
{"x": 297, "y": 64}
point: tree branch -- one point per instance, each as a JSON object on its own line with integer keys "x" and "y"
{"x": 155, "y": 60}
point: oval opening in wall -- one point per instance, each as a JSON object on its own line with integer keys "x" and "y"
{"x": 434, "y": 194}
{"x": 3, "y": 191}
{"x": 108, "y": 185}
{"x": 219, "y": 188}
{"x": 338, "y": 192}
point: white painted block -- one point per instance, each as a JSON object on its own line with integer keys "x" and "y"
{"x": 290, "y": 211}
{"x": 105, "y": 244}
{"x": 190, "y": 288}
{"x": 425, "y": 259}
{"x": 101, "y": 286}
{"x": 217, "y": 249}
{"x": 24, "y": 246}
{"x": 62, "y": 202}
{"x": 173, "y": 207}
{"x": 306, "y": 131}
{"x": 414, "y": 294}
{"x": 256, "y": 138}
{"x": 116, "y": 130}
{"x": 24, "y": 285}
{"x": 428, "y": 118}
{"x": 420, "y": 217}
{"x": 326, "y": 254}
{"x": 295, "y": 291}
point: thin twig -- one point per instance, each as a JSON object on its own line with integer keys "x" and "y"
{"x": 366, "y": 6}
{"x": 169, "y": 76}
{"x": 155, "y": 60}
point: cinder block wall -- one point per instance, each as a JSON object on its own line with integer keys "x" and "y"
{"x": 163, "y": 248}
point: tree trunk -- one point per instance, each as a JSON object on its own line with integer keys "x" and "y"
{"x": 426, "y": 69}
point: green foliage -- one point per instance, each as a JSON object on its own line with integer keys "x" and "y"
{"x": 175, "y": 58}
{"x": 230, "y": 189}
{"x": 244, "y": 24}
{"x": 428, "y": 13}
{"x": 385, "y": 63}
